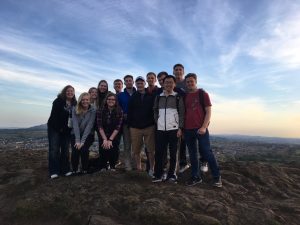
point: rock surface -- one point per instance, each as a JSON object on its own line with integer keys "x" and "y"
{"x": 253, "y": 193}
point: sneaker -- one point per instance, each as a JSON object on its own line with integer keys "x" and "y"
{"x": 164, "y": 176}
{"x": 172, "y": 179}
{"x": 103, "y": 170}
{"x": 193, "y": 181}
{"x": 151, "y": 173}
{"x": 68, "y": 174}
{"x": 118, "y": 164}
{"x": 84, "y": 172}
{"x": 53, "y": 176}
{"x": 112, "y": 169}
{"x": 204, "y": 167}
{"x": 217, "y": 182}
{"x": 156, "y": 180}
{"x": 184, "y": 168}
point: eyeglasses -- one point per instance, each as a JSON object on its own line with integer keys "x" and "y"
{"x": 111, "y": 99}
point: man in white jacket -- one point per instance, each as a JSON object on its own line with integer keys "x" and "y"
{"x": 169, "y": 116}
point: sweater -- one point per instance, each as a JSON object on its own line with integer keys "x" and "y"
{"x": 83, "y": 124}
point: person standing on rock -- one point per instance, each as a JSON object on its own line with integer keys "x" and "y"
{"x": 141, "y": 123}
{"x": 109, "y": 120}
{"x": 123, "y": 99}
{"x": 178, "y": 71}
{"x": 83, "y": 118}
{"x": 59, "y": 132}
{"x": 169, "y": 117}
{"x": 196, "y": 124}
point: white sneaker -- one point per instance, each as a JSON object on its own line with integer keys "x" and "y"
{"x": 184, "y": 168}
{"x": 68, "y": 174}
{"x": 204, "y": 167}
{"x": 164, "y": 176}
{"x": 53, "y": 176}
{"x": 151, "y": 173}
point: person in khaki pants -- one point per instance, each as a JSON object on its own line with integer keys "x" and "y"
{"x": 141, "y": 122}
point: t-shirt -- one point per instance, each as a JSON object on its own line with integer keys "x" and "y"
{"x": 194, "y": 114}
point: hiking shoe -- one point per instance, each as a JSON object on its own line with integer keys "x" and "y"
{"x": 204, "y": 167}
{"x": 156, "y": 180}
{"x": 193, "y": 181}
{"x": 217, "y": 182}
{"x": 68, "y": 174}
{"x": 54, "y": 176}
{"x": 172, "y": 178}
{"x": 184, "y": 168}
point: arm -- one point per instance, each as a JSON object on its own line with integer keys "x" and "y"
{"x": 181, "y": 115}
{"x": 119, "y": 125}
{"x": 89, "y": 126}
{"x": 155, "y": 109}
{"x": 207, "y": 117}
{"x": 76, "y": 128}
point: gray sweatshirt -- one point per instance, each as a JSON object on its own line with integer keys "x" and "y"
{"x": 83, "y": 124}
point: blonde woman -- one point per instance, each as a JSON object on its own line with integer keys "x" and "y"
{"x": 83, "y": 117}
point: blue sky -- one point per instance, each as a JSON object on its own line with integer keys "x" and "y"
{"x": 246, "y": 53}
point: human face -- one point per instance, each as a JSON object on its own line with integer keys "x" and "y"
{"x": 169, "y": 85}
{"x": 111, "y": 101}
{"x": 102, "y": 87}
{"x": 179, "y": 73}
{"x": 70, "y": 93}
{"x": 191, "y": 84}
{"x": 93, "y": 94}
{"x": 151, "y": 79}
{"x": 85, "y": 101}
{"x": 161, "y": 80}
{"x": 140, "y": 85}
{"x": 128, "y": 83}
{"x": 118, "y": 86}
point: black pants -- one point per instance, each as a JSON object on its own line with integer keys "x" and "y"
{"x": 163, "y": 140}
{"x": 182, "y": 153}
{"x": 109, "y": 155}
{"x": 83, "y": 153}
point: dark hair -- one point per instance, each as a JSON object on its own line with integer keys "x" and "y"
{"x": 117, "y": 106}
{"x": 101, "y": 96}
{"x": 169, "y": 77}
{"x": 193, "y": 75}
{"x": 128, "y": 76}
{"x": 162, "y": 73}
{"x": 63, "y": 94}
{"x": 151, "y": 73}
{"x": 178, "y": 64}
{"x": 92, "y": 88}
{"x": 118, "y": 80}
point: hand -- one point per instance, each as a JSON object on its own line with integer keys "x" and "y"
{"x": 109, "y": 144}
{"x": 179, "y": 133}
{"x": 78, "y": 145}
{"x": 105, "y": 144}
{"x": 202, "y": 130}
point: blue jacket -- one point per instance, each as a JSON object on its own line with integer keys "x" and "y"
{"x": 123, "y": 99}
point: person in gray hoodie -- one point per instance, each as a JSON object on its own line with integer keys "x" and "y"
{"x": 83, "y": 118}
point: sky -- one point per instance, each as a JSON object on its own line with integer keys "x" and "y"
{"x": 246, "y": 55}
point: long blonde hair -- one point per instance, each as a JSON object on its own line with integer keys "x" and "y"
{"x": 79, "y": 109}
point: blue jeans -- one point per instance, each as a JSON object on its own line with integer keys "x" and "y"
{"x": 58, "y": 155}
{"x": 191, "y": 137}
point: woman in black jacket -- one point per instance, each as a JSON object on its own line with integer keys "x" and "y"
{"x": 59, "y": 132}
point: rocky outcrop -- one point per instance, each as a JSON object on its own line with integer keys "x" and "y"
{"x": 253, "y": 193}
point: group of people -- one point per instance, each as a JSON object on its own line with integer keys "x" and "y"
{"x": 158, "y": 120}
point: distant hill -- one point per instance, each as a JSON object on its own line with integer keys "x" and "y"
{"x": 38, "y": 127}
{"x": 261, "y": 139}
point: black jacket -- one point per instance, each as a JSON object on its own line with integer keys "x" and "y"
{"x": 140, "y": 110}
{"x": 58, "y": 119}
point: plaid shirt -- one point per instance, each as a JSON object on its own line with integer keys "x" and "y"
{"x": 109, "y": 120}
